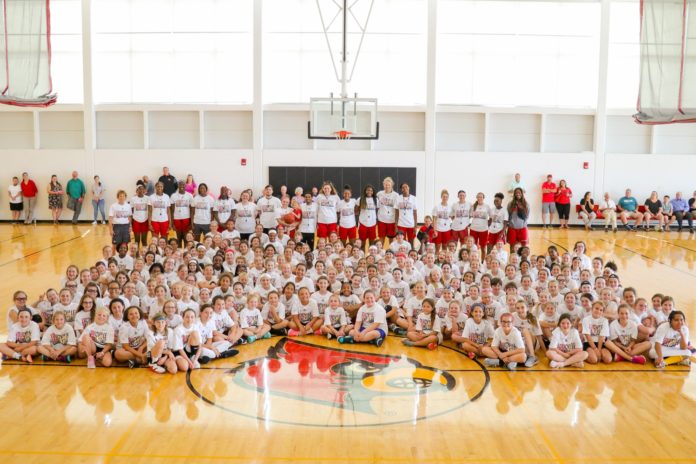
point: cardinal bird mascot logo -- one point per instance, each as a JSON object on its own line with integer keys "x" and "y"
{"x": 306, "y": 384}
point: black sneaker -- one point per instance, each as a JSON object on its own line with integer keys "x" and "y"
{"x": 229, "y": 353}
{"x": 204, "y": 360}
{"x": 132, "y": 363}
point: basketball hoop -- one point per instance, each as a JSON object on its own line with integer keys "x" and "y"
{"x": 342, "y": 134}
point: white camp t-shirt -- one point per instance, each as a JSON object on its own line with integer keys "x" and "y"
{"x": 327, "y": 208}
{"x": 498, "y": 218}
{"x": 460, "y": 213}
{"x": 305, "y": 311}
{"x": 346, "y": 209}
{"x": 441, "y": 215}
{"x": 100, "y": 334}
{"x": 335, "y": 318}
{"x": 406, "y": 207}
{"x": 182, "y": 204}
{"x": 133, "y": 336}
{"x": 139, "y": 205}
{"x": 624, "y": 334}
{"x": 477, "y": 333}
{"x": 479, "y": 217}
{"x": 510, "y": 342}
{"x": 250, "y": 318}
{"x": 267, "y": 211}
{"x": 368, "y": 316}
{"x": 309, "y": 218}
{"x": 19, "y": 334}
{"x": 203, "y": 209}
{"x": 386, "y": 204}
{"x": 668, "y": 337}
{"x": 120, "y": 213}
{"x": 160, "y": 207}
{"x": 565, "y": 343}
{"x": 368, "y": 216}
{"x": 224, "y": 210}
{"x": 595, "y": 328}
{"x": 425, "y": 324}
{"x": 246, "y": 218}
{"x": 59, "y": 339}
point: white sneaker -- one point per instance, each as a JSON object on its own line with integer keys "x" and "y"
{"x": 196, "y": 365}
{"x": 556, "y": 364}
{"x": 94, "y": 223}
{"x": 490, "y": 362}
{"x": 157, "y": 369}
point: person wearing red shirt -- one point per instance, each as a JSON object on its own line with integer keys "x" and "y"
{"x": 548, "y": 200}
{"x": 29, "y": 192}
{"x": 563, "y": 195}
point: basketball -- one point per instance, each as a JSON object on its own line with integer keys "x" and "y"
{"x": 289, "y": 218}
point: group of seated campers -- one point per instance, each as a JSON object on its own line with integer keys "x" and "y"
{"x": 173, "y": 302}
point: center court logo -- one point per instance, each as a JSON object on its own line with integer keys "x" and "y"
{"x": 301, "y": 383}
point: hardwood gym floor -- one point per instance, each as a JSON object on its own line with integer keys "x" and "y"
{"x": 307, "y": 400}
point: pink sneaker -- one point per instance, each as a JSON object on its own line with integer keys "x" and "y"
{"x": 91, "y": 363}
{"x": 618, "y": 358}
{"x": 638, "y": 360}
{"x": 293, "y": 333}
{"x": 317, "y": 332}
{"x": 432, "y": 346}
{"x": 471, "y": 355}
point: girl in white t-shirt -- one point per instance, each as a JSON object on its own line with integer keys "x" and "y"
{"x": 336, "y": 321}
{"x": 623, "y": 335}
{"x": 370, "y": 323}
{"x": 367, "y": 218}
{"x": 480, "y": 221}
{"x": 22, "y": 338}
{"x": 428, "y": 330}
{"x": 190, "y": 339}
{"x": 245, "y": 220}
{"x": 565, "y": 348}
{"x": 308, "y": 225}
{"x": 97, "y": 340}
{"x": 671, "y": 342}
{"x": 58, "y": 342}
{"x": 132, "y": 336}
{"x": 305, "y": 315}
{"x": 327, "y": 217}
{"x": 528, "y": 325}
{"x": 443, "y": 222}
{"x": 275, "y": 314}
{"x": 476, "y": 334}
{"x": 162, "y": 346}
{"x": 251, "y": 321}
{"x": 595, "y": 329}
{"x": 507, "y": 345}
{"x": 407, "y": 214}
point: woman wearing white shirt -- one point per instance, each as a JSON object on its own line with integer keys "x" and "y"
{"x": 246, "y": 216}
{"x": 460, "y": 214}
{"x": 386, "y": 212}
{"x": 224, "y": 207}
{"x": 327, "y": 217}
{"x": 443, "y": 221}
{"x": 480, "y": 221}
{"x": 367, "y": 210}
{"x": 203, "y": 211}
{"x": 308, "y": 226}
{"x": 406, "y": 213}
{"x": 139, "y": 203}
{"x": 347, "y": 227}
{"x": 498, "y": 224}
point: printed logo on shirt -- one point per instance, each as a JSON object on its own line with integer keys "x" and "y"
{"x": 59, "y": 339}
{"x": 23, "y": 337}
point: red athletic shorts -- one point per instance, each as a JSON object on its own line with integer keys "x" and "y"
{"x": 517, "y": 235}
{"x": 494, "y": 238}
{"x": 386, "y": 229}
{"x": 481, "y": 238}
{"x": 140, "y": 227}
{"x": 410, "y": 232}
{"x": 460, "y": 235}
{"x": 323, "y": 230}
{"x": 182, "y": 225}
{"x": 367, "y": 233}
{"x": 347, "y": 233}
{"x": 160, "y": 228}
{"x": 443, "y": 238}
